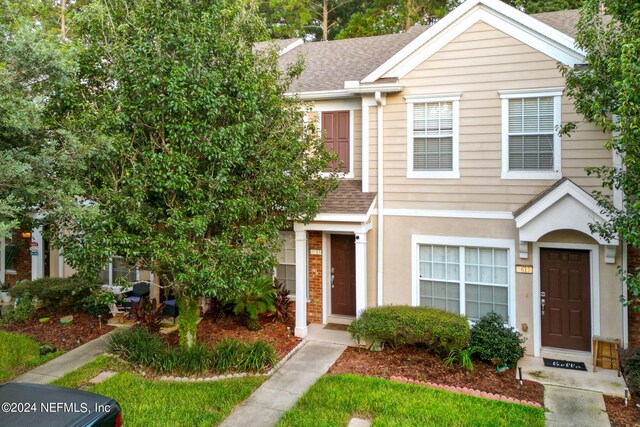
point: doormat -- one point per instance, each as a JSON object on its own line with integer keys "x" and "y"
{"x": 564, "y": 364}
{"x": 335, "y": 327}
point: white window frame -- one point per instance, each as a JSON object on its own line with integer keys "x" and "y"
{"x": 509, "y": 245}
{"x": 109, "y": 269}
{"x": 454, "y": 98}
{"x": 292, "y": 294}
{"x": 556, "y": 94}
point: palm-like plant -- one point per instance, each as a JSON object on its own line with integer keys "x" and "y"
{"x": 255, "y": 300}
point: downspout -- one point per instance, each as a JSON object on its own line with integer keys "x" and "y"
{"x": 379, "y": 104}
{"x": 625, "y": 308}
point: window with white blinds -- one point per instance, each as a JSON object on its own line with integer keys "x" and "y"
{"x": 433, "y": 136}
{"x": 531, "y": 133}
{"x": 286, "y": 269}
{"x": 531, "y": 144}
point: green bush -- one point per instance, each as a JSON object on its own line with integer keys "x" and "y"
{"x": 258, "y": 298}
{"x": 25, "y": 310}
{"x": 630, "y": 364}
{"x": 495, "y": 342}
{"x": 97, "y": 303}
{"x": 401, "y": 325}
{"x": 258, "y": 355}
{"x": 142, "y": 347}
{"x": 55, "y": 291}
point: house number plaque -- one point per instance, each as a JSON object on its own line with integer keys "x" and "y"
{"x": 524, "y": 269}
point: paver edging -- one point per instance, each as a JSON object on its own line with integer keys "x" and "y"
{"x": 465, "y": 390}
{"x": 267, "y": 374}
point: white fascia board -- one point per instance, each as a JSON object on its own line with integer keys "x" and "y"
{"x": 340, "y": 217}
{"x": 356, "y": 87}
{"x": 566, "y": 188}
{"x": 322, "y": 94}
{"x": 442, "y": 213}
{"x": 290, "y": 47}
{"x": 528, "y": 30}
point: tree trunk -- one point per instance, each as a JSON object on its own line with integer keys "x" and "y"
{"x": 408, "y": 22}
{"x": 325, "y": 20}
{"x": 188, "y": 308}
{"x": 63, "y": 19}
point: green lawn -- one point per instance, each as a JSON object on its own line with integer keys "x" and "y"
{"x": 156, "y": 403}
{"x": 19, "y": 353}
{"x": 334, "y": 399}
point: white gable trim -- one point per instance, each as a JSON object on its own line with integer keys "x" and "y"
{"x": 580, "y": 209}
{"x": 519, "y": 25}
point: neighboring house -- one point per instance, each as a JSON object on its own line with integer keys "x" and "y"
{"x": 457, "y": 191}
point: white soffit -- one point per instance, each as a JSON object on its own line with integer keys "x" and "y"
{"x": 566, "y": 207}
{"x": 507, "y": 19}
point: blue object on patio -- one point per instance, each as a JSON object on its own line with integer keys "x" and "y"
{"x": 139, "y": 290}
{"x": 170, "y": 309}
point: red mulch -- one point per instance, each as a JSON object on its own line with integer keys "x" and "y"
{"x": 83, "y": 329}
{"x": 421, "y": 365}
{"x": 210, "y": 331}
{"x": 620, "y": 415}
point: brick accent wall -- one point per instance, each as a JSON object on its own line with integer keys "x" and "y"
{"x": 23, "y": 260}
{"x": 314, "y": 307}
{"x": 633, "y": 263}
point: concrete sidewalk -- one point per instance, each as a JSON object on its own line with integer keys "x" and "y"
{"x": 573, "y": 407}
{"x": 280, "y": 392}
{"x": 65, "y": 363}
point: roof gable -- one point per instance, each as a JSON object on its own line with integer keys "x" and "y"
{"x": 511, "y": 21}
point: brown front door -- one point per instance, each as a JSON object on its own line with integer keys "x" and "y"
{"x": 343, "y": 274}
{"x": 566, "y": 290}
{"x": 335, "y": 128}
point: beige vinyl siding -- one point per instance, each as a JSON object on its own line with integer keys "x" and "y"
{"x": 478, "y": 64}
{"x": 357, "y": 144}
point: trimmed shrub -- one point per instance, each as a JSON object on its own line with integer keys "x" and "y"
{"x": 630, "y": 365}
{"x": 25, "y": 310}
{"x": 401, "y": 325}
{"x": 495, "y": 342}
{"x": 64, "y": 292}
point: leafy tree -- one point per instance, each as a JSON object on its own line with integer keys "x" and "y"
{"x": 37, "y": 80}
{"x": 311, "y": 19}
{"x": 388, "y": 17}
{"x": 204, "y": 159}
{"x": 607, "y": 92}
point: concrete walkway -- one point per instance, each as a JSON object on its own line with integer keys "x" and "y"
{"x": 65, "y": 363}
{"x": 280, "y": 392}
{"x": 573, "y": 407}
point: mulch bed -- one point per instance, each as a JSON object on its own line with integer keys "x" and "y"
{"x": 210, "y": 331}
{"x": 419, "y": 364}
{"x": 620, "y": 415}
{"x": 83, "y": 329}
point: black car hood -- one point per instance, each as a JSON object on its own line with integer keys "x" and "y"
{"x": 35, "y": 405}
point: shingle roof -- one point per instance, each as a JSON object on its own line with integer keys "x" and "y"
{"x": 564, "y": 21}
{"x": 329, "y": 64}
{"x": 348, "y": 198}
{"x": 279, "y": 43}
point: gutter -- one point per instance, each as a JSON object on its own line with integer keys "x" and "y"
{"x": 380, "y": 104}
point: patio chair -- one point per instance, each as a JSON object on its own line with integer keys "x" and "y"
{"x": 118, "y": 312}
{"x": 171, "y": 309}
{"x": 139, "y": 290}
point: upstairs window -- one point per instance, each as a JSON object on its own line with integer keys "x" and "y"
{"x": 531, "y": 144}
{"x": 432, "y": 130}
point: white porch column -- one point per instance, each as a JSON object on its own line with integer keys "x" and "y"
{"x": 361, "y": 271}
{"x": 37, "y": 260}
{"x": 301, "y": 281}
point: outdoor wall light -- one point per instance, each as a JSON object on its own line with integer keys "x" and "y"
{"x": 26, "y": 235}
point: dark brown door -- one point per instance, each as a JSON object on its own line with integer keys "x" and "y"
{"x": 335, "y": 128}
{"x": 566, "y": 289}
{"x": 343, "y": 275}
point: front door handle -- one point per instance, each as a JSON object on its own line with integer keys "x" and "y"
{"x": 542, "y": 302}
{"x": 333, "y": 277}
